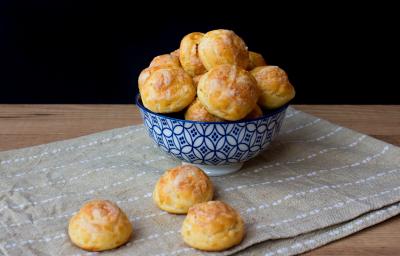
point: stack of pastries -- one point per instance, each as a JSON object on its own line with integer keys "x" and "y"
{"x": 212, "y": 77}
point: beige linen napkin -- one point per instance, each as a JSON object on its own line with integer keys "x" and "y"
{"x": 316, "y": 183}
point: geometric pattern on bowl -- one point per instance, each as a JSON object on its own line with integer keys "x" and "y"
{"x": 212, "y": 143}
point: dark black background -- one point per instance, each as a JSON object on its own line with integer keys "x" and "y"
{"x": 92, "y": 52}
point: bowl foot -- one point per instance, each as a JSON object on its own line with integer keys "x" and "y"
{"x": 218, "y": 170}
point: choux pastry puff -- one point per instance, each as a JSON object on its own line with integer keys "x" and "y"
{"x": 212, "y": 226}
{"x": 197, "y": 112}
{"x": 188, "y": 54}
{"x": 181, "y": 187}
{"x": 175, "y": 53}
{"x": 196, "y": 80}
{"x": 274, "y": 85}
{"x": 165, "y": 60}
{"x": 255, "y": 113}
{"x": 223, "y": 47}
{"x": 166, "y": 89}
{"x": 255, "y": 60}
{"x": 99, "y": 225}
{"x": 228, "y": 92}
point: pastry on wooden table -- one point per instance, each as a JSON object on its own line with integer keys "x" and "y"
{"x": 223, "y": 47}
{"x": 166, "y": 90}
{"x": 165, "y": 60}
{"x": 197, "y": 112}
{"x": 276, "y": 90}
{"x": 99, "y": 225}
{"x": 228, "y": 92}
{"x": 189, "y": 55}
{"x": 255, "y": 60}
{"x": 212, "y": 226}
{"x": 181, "y": 187}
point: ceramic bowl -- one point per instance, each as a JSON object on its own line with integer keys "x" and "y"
{"x": 218, "y": 148}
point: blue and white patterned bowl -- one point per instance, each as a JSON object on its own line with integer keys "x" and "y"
{"x": 216, "y": 147}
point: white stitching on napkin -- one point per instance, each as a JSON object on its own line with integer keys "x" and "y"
{"x": 83, "y": 161}
{"x": 277, "y": 164}
{"x": 70, "y": 148}
{"x": 336, "y": 205}
{"x": 90, "y": 192}
{"x": 292, "y": 114}
{"x": 303, "y": 126}
{"x": 312, "y": 155}
{"x": 62, "y": 181}
{"x": 92, "y": 143}
{"x": 31, "y": 241}
{"x": 323, "y": 151}
{"x": 311, "y": 190}
{"x": 333, "y": 233}
{"x": 45, "y": 170}
{"x": 313, "y": 212}
{"x": 291, "y": 178}
{"x": 69, "y": 180}
{"x": 137, "y": 218}
{"x": 62, "y": 216}
{"x": 331, "y": 133}
{"x": 316, "y": 189}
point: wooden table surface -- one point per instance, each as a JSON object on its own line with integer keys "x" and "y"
{"x": 27, "y": 125}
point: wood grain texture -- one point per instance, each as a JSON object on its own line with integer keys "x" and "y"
{"x": 27, "y": 125}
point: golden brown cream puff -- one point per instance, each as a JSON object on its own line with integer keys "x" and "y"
{"x": 228, "y": 92}
{"x": 166, "y": 90}
{"x": 197, "y": 112}
{"x": 223, "y": 47}
{"x": 256, "y": 60}
{"x": 212, "y": 226}
{"x": 189, "y": 56}
{"x": 181, "y": 187}
{"x": 165, "y": 60}
{"x": 99, "y": 225}
{"x": 276, "y": 90}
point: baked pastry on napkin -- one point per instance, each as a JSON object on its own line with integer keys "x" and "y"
{"x": 212, "y": 226}
{"x": 99, "y": 225}
{"x": 181, "y": 187}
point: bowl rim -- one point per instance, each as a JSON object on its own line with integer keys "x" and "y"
{"x": 273, "y": 113}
